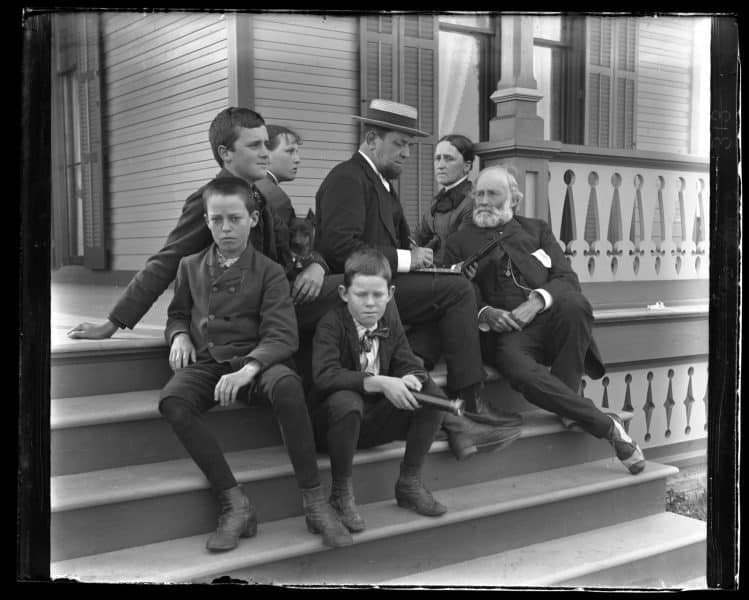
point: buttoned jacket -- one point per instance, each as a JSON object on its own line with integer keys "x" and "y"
{"x": 450, "y": 211}
{"x": 336, "y": 363}
{"x": 354, "y": 210}
{"x": 235, "y": 314}
{"x": 189, "y": 236}
{"x": 521, "y": 237}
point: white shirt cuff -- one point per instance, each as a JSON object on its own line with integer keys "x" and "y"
{"x": 404, "y": 261}
{"x": 546, "y": 297}
{"x": 483, "y": 326}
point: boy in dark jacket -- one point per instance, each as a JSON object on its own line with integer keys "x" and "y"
{"x": 231, "y": 328}
{"x": 364, "y": 371}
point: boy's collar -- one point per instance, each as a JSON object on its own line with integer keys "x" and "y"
{"x": 241, "y": 261}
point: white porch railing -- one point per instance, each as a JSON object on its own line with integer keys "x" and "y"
{"x": 620, "y": 222}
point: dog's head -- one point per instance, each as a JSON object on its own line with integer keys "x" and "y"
{"x": 302, "y": 235}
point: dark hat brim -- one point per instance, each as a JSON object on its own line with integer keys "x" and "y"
{"x": 392, "y": 126}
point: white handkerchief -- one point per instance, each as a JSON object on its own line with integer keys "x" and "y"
{"x": 542, "y": 257}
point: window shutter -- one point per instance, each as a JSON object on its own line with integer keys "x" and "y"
{"x": 399, "y": 62}
{"x": 89, "y": 90}
{"x": 611, "y": 63}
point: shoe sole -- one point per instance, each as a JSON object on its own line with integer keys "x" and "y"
{"x": 412, "y": 506}
{"x": 492, "y": 421}
{"x": 249, "y": 531}
{"x": 312, "y": 529}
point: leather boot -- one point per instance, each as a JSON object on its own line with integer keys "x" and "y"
{"x": 465, "y": 438}
{"x": 321, "y": 518}
{"x": 411, "y": 493}
{"x": 342, "y": 501}
{"x": 237, "y": 519}
{"x": 480, "y": 411}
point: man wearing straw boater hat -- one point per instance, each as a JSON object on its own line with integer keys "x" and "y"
{"x": 357, "y": 207}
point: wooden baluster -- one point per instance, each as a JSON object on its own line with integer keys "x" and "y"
{"x": 669, "y": 403}
{"x": 649, "y": 405}
{"x": 599, "y": 261}
{"x": 578, "y": 250}
{"x": 688, "y": 401}
{"x": 605, "y": 399}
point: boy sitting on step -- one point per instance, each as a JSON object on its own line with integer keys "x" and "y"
{"x": 231, "y": 329}
{"x": 363, "y": 371}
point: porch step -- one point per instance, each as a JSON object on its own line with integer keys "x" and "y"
{"x": 108, "y": 430}
{"x": 660, "y": 550}
{"x": 115, "y": 430}
{"x": 94, "y": 511}
{"x": 482, "y": 517}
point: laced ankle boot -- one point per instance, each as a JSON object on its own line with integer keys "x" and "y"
{"x": 321, "y": 518}
{"x": 342, "y": 501}
{"x": 411, "y": 493}
{"x": 237, "y": 519}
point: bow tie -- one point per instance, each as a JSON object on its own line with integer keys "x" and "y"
{"x": 365, "y": 343}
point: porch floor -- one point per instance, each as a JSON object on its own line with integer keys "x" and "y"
{"x": 72, "y": 303}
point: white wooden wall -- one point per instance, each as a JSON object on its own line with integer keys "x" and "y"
{"x": 165, "y": 80}
{"x": 307, "y": 78}
{"x": 664, "y": 83}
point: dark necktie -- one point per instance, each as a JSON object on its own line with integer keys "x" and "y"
{"x": 365, "y": 343}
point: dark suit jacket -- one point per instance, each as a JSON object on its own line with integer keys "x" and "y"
{"x": 520, "y": 238}
{"x": 284, "y": 215}
{"x": 335, "y": 354}
{"x": 236, "y": 314}
{"x": 354, "y": 210}
{"x": 189, "y": 236}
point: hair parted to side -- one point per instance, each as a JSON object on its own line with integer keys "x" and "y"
{"x": 276, "y": 131}
{"x": 224, "y": 129}
{"x": 231, "y": 186}
{"x": 510, "y": 176}
{"x": 462, "y": 144}
{"x": 367, "y": 261}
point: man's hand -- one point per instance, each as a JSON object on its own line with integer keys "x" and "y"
{"x": 182, "y": 352}
{"x": 394, "y": 389}
{"x": 499, "y": 320}
{"x": 308, "y": 284}
{"x": 229, "y": 385}
{"x": 412, "y": 382}
{"x": 89, "y": 331}
{"x": 470, "y": 271}
{"x": 421, "y": 257}
{"x": 527, "y": 311}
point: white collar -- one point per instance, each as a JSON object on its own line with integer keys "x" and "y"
{"x": 272, "y": 176}
{"x": 385, "y": 182}
{"x": 360, "y": 329}
{"x": 452, "y": 185}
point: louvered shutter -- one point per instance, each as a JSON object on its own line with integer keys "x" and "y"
{"x": 611, "y": 47}
{"x": 89, "y": 91}
{"x": 399, "y": 62}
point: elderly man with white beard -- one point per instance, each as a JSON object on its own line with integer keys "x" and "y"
{"x": 532, "y": 312}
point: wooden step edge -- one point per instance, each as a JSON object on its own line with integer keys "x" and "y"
{"x": 136, "y": 482}
{"x": 185, "y": 559}
{"x": 101, "y": 409}
{"x": 555, "y": 561}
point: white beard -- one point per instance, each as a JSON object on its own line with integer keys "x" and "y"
{"x": 497, "y": 216}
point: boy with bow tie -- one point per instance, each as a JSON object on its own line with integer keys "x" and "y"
{"x": 364, "y": 372}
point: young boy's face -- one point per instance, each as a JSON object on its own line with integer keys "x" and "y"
{"x": 367, "y": 298}
{"x": 230, "y": 223}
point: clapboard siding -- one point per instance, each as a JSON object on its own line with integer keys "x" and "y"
{"x": 306, "y": 76}
{"x": 664, "y": 84}
{"x": 166, "y": 78}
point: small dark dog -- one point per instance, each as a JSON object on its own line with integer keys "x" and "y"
{"x": 301, "y": 240}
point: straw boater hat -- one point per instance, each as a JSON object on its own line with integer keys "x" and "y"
{"x": 392, "y": 115}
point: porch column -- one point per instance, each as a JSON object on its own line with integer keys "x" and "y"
{"x": 516, "y": 133}
{"x": 517, "y": 93}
